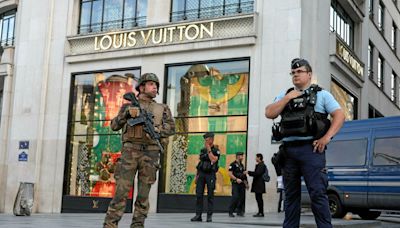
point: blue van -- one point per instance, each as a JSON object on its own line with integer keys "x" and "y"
{"x": 363, "y": 162}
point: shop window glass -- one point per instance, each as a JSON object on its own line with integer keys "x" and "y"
{"x": 205, "y": 97}
{"x": 346, "y": 100}
{"x": 93, "y": 148}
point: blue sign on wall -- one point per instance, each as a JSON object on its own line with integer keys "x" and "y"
{"x": 23, "y": 156}
{"x": 23, "y": 144}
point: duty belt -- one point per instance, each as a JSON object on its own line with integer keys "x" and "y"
{"x": 141, "y": 146}
{"x": 298, "y": 142}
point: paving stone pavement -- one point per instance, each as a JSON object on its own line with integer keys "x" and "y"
{"x": 272, "y": 220}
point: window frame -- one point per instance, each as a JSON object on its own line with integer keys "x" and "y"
{"x": 120, "y": 23}
{"x": 8, "y": 16}
{"x": 243, "y": 6}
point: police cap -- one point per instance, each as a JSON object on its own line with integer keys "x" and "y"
{"x": 208, "y": 135}
{"x": 298, "y": 62}
{"x": 239, "y": 153}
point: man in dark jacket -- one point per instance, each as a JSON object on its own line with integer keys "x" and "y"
{"x": 258, "y": 185}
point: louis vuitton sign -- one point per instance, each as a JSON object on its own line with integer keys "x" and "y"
{"x": 154, "y": 36}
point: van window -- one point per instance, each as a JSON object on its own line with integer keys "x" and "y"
{"x": 346, "y": 152}
{"x": 386, "y": 151}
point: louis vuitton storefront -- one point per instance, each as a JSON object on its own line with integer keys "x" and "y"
{"x": 204, "y": 69}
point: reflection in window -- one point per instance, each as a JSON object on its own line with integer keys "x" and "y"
{"x": 105, "y": 15}
{"x": 381, "y": 15}
{"x": 394, "y": 36}
{"x": 386, "y": 151}
{"x": 341, "y": 23}
{"x": 205, "y": 97}
{"x": 93, "y": 148}
{"x": 380, "y": 78}
{"x": 7, "y": 23}
{"x": 346, "y": 153}
{"x": 370, "y": 60}
{"x": 346, "y": 100}
{"x": 201, "y": 9}
{"x": 394, "y": 86}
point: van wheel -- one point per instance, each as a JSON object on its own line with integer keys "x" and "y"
{"x": 336, "y": 207}
{"x": 369, "y": 215}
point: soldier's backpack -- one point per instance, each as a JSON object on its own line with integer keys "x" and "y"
{"x": 265, "y": 175}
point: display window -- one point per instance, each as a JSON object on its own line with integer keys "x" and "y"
{"x": 346, "y": 100}
{"x": 93, "y": 149}
{"x": 205, "y": 97}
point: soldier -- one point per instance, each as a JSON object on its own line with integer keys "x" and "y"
{"x": 239, "y": 185}
{"x": 206, "y": 170}
{"x": 140, "y": 153}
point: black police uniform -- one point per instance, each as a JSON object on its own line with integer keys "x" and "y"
{"x": 238, "y": 190}
{"x": 206, "y": 176}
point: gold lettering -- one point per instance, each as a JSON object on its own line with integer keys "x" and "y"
{"x": 106, "y": 37}
{"x": 196, "y": 33}
{"x": 96, "y": 47}
{"x": 159, "y": 38}
{"x": 146, "y": 38}
{"x": 117, "y": 38}
{"x": 124, "y": 44}
{"x": 181, "y": 32}
{"x": 165, "y": 35}
{"x": 131, "y": 39}
{"x": 210, "y": 31}
{"x": 171, "y": 33}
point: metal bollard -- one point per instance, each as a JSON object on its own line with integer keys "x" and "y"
{"x": 24, "y": 201}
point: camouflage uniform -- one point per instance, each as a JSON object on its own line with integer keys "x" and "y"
{"x": 139, "y": 154}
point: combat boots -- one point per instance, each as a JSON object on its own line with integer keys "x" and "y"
{"x": 209, "y": 218}
{"x": 197, "y": 218}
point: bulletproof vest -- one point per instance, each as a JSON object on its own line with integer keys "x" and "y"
{"x": 298, "y": 118}
{"x": 238, "y": 172}
{"x": 136, "y": 134}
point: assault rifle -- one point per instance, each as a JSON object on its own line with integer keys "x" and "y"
{"x": 145, "y": 118}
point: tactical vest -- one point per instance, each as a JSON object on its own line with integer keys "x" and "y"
{"x": 136, "y": 134}
{"x": 298, "y": 118}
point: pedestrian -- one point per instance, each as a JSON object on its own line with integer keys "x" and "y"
{"x": 140, "y": 152}
{"x": 305, "y": 132}
{"x": 239, "y": 181}
{"x": 258, "y": 184}
{"x": 206, "y": 170}
{"x": 280, "y": 189}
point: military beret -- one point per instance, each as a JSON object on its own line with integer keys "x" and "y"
{"x": 297, "y": 62}
{"x": 239, "y": 153}
{"x": 208, "y": 135}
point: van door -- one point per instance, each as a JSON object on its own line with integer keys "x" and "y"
{"x": 346, "y": 158}
{"x": 384, "y": 178}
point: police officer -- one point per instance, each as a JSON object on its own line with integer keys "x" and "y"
{"x": 206, "y": 170}
{"x": 304, "y": 150}
{"x": 239, "y": 182}
{"x": 140, "y": 153}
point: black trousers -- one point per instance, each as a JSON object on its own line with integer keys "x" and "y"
{"x": 209, "y": 180}
{"x": 300, "y": 161}
{"x": 238, "y": 197}
{"x": 260, "y": 203}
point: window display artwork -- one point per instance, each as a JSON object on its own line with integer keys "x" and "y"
{"x": 346, "y": 100}
{"x": 206, "y": 97}
{"x": 94, "y": 149}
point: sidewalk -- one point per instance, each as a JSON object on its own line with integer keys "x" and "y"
{"x": 167, "y": 220}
